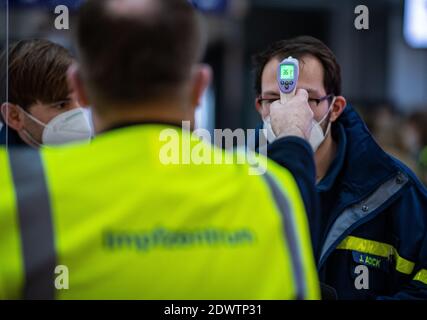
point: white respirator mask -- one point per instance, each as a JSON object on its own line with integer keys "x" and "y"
{"x": 317, "y": 136}
{"x": 70, "y": 126}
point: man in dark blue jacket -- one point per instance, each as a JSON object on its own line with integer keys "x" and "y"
{"x": 371, "y": 235}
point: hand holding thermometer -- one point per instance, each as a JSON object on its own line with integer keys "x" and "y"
{"x": 287, "y": 78}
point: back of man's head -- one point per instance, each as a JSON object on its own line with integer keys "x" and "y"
{"x": 137, "y": 51}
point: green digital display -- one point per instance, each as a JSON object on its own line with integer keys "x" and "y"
{"x": 287, "y": 72}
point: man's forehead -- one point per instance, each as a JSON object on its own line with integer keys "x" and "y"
{"x": 310, "y": 78}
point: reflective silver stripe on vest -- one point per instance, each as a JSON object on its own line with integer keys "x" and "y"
{"x": 289, "y": 229}
{"x": 352, "y": 215}
{"x": 35, "y": 222}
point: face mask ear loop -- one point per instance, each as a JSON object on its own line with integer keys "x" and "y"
{"x": 329, "y": 111}
{"x": 33, "y": 118}
{"x": 326, "y": 115}
{"x": 30, "y": 137}
{"x": 328, "y": 129}
{"x": 27, "y": 134}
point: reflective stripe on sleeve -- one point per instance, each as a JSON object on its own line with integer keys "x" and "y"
{"x": 379, "y": 249}
{"x": 421, "y": 276}
{"x": 289, "y": 230}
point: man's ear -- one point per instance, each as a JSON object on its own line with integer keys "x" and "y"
{"x": 76, "y": 85}
{"x": 201, "y": 79}
{"x": 12, "y": 116}
{"x": 338, "y": 108}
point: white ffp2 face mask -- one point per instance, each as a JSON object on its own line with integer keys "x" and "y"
{"x": 271, "y": 136}
{"x": 70, "y": 126}
{"x": 317, "y": 135}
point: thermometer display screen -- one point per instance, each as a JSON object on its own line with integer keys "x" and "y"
{"x": 287, "y": 72}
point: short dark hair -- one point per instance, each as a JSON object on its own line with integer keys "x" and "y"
{"x": 129, "y": 58}
{"x": 37, "y": 72}
{"x": 297, "y": 48}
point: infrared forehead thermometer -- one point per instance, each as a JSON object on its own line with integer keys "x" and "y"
{"x": 287, "y": 78}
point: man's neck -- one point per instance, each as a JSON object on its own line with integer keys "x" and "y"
{"x": 143, "y": 114}
{"x": 324, "y": 157}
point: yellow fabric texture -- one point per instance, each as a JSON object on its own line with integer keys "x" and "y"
{"x": 11, "y": 268}
{"x": 127, "y": 226}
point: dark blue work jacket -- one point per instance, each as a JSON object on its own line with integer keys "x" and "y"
{"x": 370, "y": 235}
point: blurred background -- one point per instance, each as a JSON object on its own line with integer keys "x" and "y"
{"x": 384, "y": 68}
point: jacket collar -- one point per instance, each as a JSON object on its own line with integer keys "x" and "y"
{"x": 336, "y": 166}
{"x": 366, "y": 166}
{"x": 369, "y": 178}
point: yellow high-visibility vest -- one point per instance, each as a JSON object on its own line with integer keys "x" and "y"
{"x": 109, "y": 220}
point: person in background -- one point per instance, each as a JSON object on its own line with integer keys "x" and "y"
{"x": 414, "y": 137}
{"x": 40, "y": 108}
{"x": 398, "y": 143}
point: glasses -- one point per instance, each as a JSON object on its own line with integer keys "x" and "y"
{"x": 313, "y": 102}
